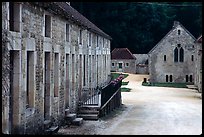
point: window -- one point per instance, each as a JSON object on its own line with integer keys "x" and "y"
{"x": 167, "y": 78}
{"x": 176, "y": 54}
{"x": 14, "y": 16}
{"x": 179, "y": 32}
{"x": 67, "y": 32}
{"x": 113, "y": 64}
{"x": 127, "y": 64}
{"x": 47, "y": 26}
{"x": 80, "y": 36}
{"x": 171, "y": 78}
{"x": 164, "y": 57}
{"x": 192, "y": 58}
{"x": 186, "y": 78}
{"x": 90, "y": 39}
{"x": 56, "y": 74}
{"x": 30, "y": 80}
{"x": 120, "y": 65}
{"x": 84, "y": 73}
{"x": 191, "y": 78}
{"x": 97, "y": 41}
{"x": 181, "y": 54}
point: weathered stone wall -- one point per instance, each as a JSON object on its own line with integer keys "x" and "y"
{"x": 29, "y": 120}
{"x": 141, "y": 67}
{"x": 158, "y": 68}
{"x": 131, "y": 68}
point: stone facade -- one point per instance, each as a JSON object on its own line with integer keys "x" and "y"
{"x": 122, "y": 60}
{"x": 173, "y": 58}
{"x": 53, "y": 57}
{"x": 142, "y": 63}
{"x": 198, "y": 65}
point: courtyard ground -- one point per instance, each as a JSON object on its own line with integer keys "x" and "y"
{"x": 148, "y": 111}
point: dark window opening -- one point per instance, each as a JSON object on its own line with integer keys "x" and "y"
{"x": 67, "y": 32}
{"x": 120, "y": 65}
{"x": 167, "y": 78}
{"x": 191, "y": 78}
{"x": 47, "y": 26}
{"x": 192, "y": 58}
{"x": 56, "y": 74}
{"x": 113, "y": 64}
{"x": 14, "y": 16}
{"x": 127, "y": 64}
{"x": 80, "y": 36}
{"x": 171, "y": 78}
{"x": 181, "y": 55}
{"x": 97, "y": 41}
{"x": 84, "y": 73}
{"x": 164, "y": 57}
{"x": 179, "y": 32}
{"x": 89, "y": 39}
{"x": 186, "y": 78}
{"x": 176, "y": 54}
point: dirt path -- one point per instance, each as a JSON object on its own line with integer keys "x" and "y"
{"x": 149, "y": 111}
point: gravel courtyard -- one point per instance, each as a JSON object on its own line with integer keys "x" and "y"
{"x": 148, "y": 111}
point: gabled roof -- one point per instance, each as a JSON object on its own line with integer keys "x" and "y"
{"x": 199, "y": 40}
{"x": 65, "y": 10}
{"x": 176, "y": 23}
{"x": 122, "y": 53}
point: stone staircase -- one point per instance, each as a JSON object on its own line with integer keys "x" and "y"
{"x": 72, "y": 119}
{"x": 89, "y": 112}
{"x": 49, "y": 128}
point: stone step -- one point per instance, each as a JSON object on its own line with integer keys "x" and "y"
{"x": 85, "y": 111}
{"x": 70, "y": 117}
{"x": 77, "y": 121}
{"x": 47, "y": 124}
{"x": 67, "y": 111}
{"x": 89, "y": 116}
{"x": 52, "y": 130}
{"x": 89, "y": 107}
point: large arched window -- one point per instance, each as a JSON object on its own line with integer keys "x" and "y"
{"x": 181, "y": 54}
{"x": 176, "y": 54}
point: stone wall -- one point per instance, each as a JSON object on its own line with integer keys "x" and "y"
{"x": 158, "y": 68}
{"x": 28, "y": 119}
{"x": 128, "y": 66}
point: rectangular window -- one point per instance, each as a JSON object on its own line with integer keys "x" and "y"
{"x": 97, "y": 41}
{"x": 47, "y": 26}
{"x": 179, "y": 32}
{"x": 191, "y": 78}
{"x": 167, "y": 80}
{"x": 80, "y": 36}
{"x": 84, "y": 73}
{"x": 113, "y": 64}
{"x": 186, "y": 78}
{"x": 67, "y": 82}
{"x": 14, "y": 16}
{"x": 171, "y": 79}
{"x": 30, "y": 79}
{"x": 164, "y": 57}
{"x": 56, "y": 74}
{"x": 192, "y": 58}
{"x": 127, "y": 64}
{"x": 67, "y": 32}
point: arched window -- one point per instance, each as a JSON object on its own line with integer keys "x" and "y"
{"x": 181, "y": 54}
{"x": 176, "y": 54}
{"x": 171, "y": 78}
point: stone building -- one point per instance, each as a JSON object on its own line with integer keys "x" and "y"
{"x": 141, "y": 63}
{"x": 53, "y": 54}
{"x": 122, "y": 60}
{"x": 173, "y": 58}
{"x": 198, "y": 65}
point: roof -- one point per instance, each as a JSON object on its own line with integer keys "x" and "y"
{"x": 122, "y": 53}
{"x": 199, "y": 40}
{"x": 176, "y": 23}
{"x": 65, "y": 10}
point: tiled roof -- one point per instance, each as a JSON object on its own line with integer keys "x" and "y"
{"x": 122, "y": 53}
{"x": 65, "y": 10}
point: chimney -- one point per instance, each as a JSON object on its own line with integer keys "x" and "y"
{"x": 176, "y": 23}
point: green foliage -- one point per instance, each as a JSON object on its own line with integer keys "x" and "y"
{"x": 125, "y": 89}
{"x": 137, "y": 26}
{"x": 125, "y": 83}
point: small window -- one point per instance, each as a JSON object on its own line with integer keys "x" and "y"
{"x": 179, "y": 32}
{"x": 97, "y": 41}
{"x": 164, "y": 57}
{"x": 186, "y": 78}
{"x": 90, "y": 39}
{"x": 14, "y": 16}
{"x": 171, "y": 79}
{"x": 120, "y": 65}
{"x": 47, "y": 26}
{"x": 127, "y": 64}
{"x": 113, "y": 64}
{"x": 176, "y": 54}
{"x": 80, "y": 36}
{"x": 167, "y": 80}
{"x": 181, "y": 55}
{"x": 67, "y": 32}
{"x": 191, "y": 78}
{"x": 179, "y": 45}
{"x": 192, "y": 58}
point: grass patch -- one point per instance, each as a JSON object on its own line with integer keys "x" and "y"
{"x": 125, "y": 83}
{"x": 116, "y": 75}
{"x": 125, "y": 89}
{"x": 175, "y": 85}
